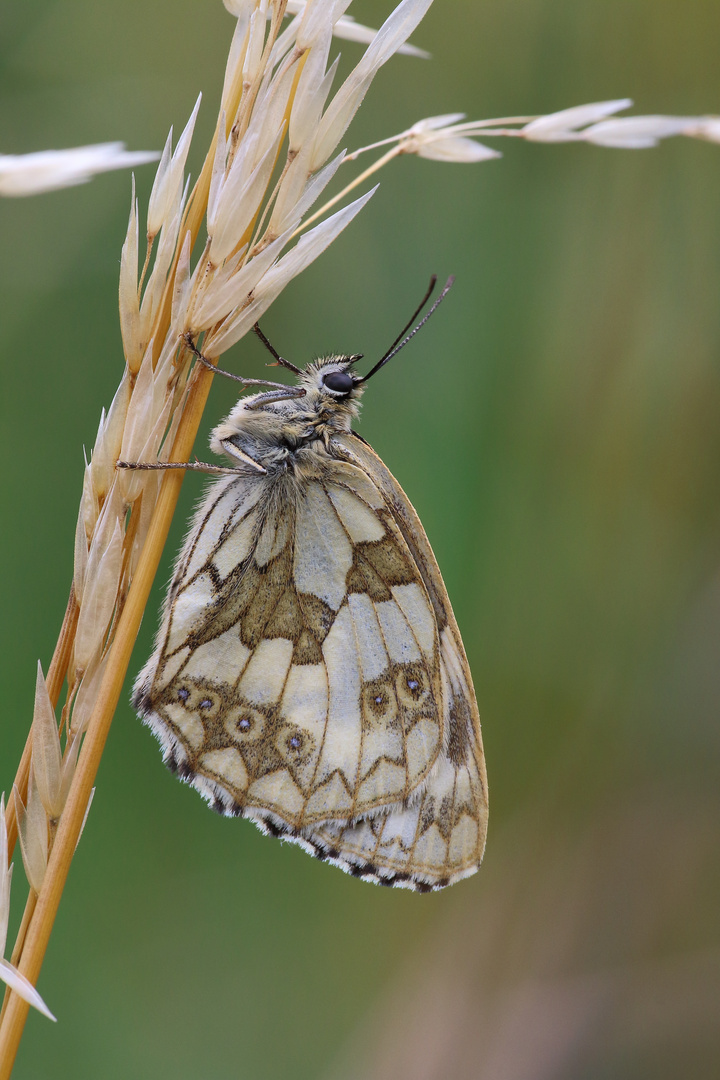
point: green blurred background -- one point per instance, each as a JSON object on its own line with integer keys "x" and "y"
{"x": 557, "y": 426}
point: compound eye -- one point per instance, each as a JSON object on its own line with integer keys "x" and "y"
{"x": 338, "y": 381}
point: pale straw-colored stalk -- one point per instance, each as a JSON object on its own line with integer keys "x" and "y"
{"x": 273, "y": 153}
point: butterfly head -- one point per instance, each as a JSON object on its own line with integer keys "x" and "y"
{"x": 280, "y": 427}
{"x": 332, "y": 381}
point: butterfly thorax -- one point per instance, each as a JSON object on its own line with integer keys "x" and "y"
{"x": 294, "y": 434}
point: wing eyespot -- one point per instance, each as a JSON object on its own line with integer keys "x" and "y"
{"x": 412, "y": 686}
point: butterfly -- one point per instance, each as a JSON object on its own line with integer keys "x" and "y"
{"x": 308, "y": 672}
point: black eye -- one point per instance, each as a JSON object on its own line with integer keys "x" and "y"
{"x": 339, "y": 381}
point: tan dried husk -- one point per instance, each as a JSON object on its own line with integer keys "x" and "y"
{"x": 33, "y": 834}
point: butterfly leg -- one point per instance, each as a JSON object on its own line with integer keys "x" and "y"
{"x": 197, "y": 466}
{"x": 287, "y": 391}
{"x": 275, "y": 395}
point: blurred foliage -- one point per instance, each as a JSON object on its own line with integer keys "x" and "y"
{"x": 557, "y": 427}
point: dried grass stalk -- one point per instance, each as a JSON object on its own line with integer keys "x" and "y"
{"x": 125, "y": 516}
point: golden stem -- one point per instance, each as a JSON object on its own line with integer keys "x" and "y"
{"x": 39, "y": 923}
{"x": 42, "y": 917}
{"x": 68, "y": 833}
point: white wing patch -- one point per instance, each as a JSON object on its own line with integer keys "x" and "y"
{"x": 325, "y": 555}
{"x": 264, "y": 677}
{"x": 356, "y": 516}
{"x": 418, "y": 614}
{"x": 225, "y": 656}
{"x": 235, "y": 549}
{"x": 399, "y": 639}
{"x": 371, "y": 651}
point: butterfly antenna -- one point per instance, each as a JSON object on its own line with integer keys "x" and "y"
{"x": 401, "y": 338}
{"x": 271, "y": 349}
